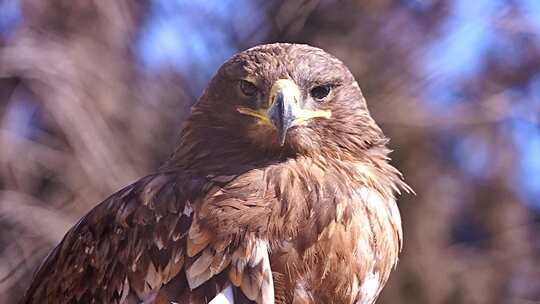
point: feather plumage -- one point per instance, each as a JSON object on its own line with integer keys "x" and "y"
{"x": 238, "y": 216}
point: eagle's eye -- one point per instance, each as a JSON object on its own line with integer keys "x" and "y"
{"x": 319, "y": 93}
{"x": 248, "y": 88}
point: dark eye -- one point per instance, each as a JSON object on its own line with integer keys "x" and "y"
{"x": 248, "y": 88}
{"x": 320, "y": 92}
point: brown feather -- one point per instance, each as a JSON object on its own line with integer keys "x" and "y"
{"x": 311, "y": 221}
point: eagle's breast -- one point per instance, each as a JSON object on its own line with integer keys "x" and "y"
{"x": 347, "y": 236}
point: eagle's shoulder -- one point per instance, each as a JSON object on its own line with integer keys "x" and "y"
{"x": 132, "y": 243}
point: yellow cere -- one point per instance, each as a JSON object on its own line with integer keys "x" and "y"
{"x": 288, "y": 88}
{"x": 261, "y": 115}
{"x": 306, "y": 115}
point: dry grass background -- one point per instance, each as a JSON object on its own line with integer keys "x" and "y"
{"x": 80, "y": 117}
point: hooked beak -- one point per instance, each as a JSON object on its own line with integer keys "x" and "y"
{"x": 285, "y": 111}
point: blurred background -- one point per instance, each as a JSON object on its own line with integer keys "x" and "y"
{"x": 93, "y": 93}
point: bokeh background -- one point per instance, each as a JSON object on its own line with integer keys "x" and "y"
{"x": 93, "y": 93}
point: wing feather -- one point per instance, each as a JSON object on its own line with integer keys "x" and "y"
{"x": 145, "y": 244}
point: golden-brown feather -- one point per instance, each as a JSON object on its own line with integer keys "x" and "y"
{"x": 312, "y": 221}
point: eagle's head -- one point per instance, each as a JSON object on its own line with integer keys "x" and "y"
{"x": 287, "y": 99}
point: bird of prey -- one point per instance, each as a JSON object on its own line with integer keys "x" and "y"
{"x": 279, "y": 191}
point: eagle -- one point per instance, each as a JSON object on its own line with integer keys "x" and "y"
{"x": 278, "y": 191}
